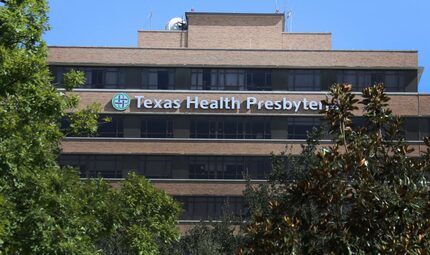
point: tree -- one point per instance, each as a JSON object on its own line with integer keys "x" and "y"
{"x": 207, "y": 238}
{"x": 45, "y": 209}
{"x": 141, "y": 218}
{"x": 365, "y": 194}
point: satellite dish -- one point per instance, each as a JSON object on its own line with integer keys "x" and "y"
{"x": 176, "y": 24}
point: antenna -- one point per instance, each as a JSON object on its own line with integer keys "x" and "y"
{"x": 150, "y": 20}
{"x": 276, "y": 6}
{"x": 289, "y": 23}
{"x": 288, "y": 18}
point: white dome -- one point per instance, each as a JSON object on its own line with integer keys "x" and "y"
{"x": 175, "y": 24}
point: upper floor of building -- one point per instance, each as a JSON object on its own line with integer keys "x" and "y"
{"x": 209, "y": 30}
{"x": 235, "y": 51}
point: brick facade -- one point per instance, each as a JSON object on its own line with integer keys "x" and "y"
{"x": 226, "y": 40}
{"x": 109, "y": 56}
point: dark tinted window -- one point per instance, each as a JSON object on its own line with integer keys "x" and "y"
{"x": 411, "y": 128}
{"x": 230, "y": 128}
{"x": 179, "y": 167}
{"x": 210, "y": 207}
{"x": 238, "y": 79}
{"x": 156, "y": 167}
{"x": 304, "y": 80}
{"x": 231, "y": 79}
{"x": 114, "y": 128}
{"x": 156, "y": 127}
{"x": 219, "y": 167}
{"x": 424, "y": 128}
{"x": 97, "y": 78}
{"x": 394, "y": 80}
{"x": 259, "y": 79}
{"x": 298, "y": 127}
{"x": 158, "y": 78}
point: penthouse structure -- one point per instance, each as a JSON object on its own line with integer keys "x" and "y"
{"x": 200, "y": 106}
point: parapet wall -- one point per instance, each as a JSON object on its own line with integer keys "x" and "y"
{"x": 234, "y": 31}
{"x": 306, "y": 41}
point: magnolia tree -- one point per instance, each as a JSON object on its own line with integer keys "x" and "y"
{"x": 364, "y": 194}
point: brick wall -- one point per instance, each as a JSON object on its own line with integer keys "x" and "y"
{"x": 110, "y": 56}
{"x": 162, "y": 39}
{"x": 306, "y": 41}
{"x": 235, "y": 31}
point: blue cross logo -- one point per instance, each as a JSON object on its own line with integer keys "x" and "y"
{"x": 121, "y": 101}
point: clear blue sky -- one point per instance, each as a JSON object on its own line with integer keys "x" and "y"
{"x": 355, "y": 24}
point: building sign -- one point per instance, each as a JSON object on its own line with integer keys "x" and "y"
{"x": 121, "y": 101}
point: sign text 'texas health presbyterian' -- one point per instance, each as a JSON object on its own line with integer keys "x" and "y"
{"x": 121, "y": 101}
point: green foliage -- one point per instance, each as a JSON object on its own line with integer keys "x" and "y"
{"x": 365, "y": 194}
{"x": 146, "y": 217}
{"x": 73, "y": 79}
{"x": 84, "y": 121}
{"x": 206, "y": 238}
{"x": 45, "y": 209}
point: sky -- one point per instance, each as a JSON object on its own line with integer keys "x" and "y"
{"x": 355, "y": 24}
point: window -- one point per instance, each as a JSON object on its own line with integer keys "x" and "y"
{"x": 106, "y": 167}
{"x": 73, "y": 161}
{"x": 197, "y": 79}
{"x": 424, "y": 128}
{"x": 359, "y": 122}
{"x": 114, "y": 128}
{"x": 203, "y": 128}
{"x": 205, "y": 168}
{"x": 111, "y": 78}
{"x": 218, "y": 79}
{"x": 411, "y": 128}
{"x": 304, "y": 80}
{"x": 234, "y": 79}
{"x": 257, "y": 167}
{"x": 230, "y": 128}
{"x": 348, "y": 76}
{"x": 159, "y": 167}
{"x": 210, "y": 207}
{"x": 258, "y": 129}
{"x": 233, "y": 168}
{"x": 158, "y": 78}
{"x": 298, "y": 127}
{"x": 394, "y": 81}
{"x": 201, "y": 79}
{"x": 199, "y": 170}
{"x": 88, "y": 77}
{"x": 156, "y": 127}
{"x": 153, "y": 166}
{"x": 219, "y": 167}
{"x": 97, "y": 78}
{"x": 237, "y": 79}
{"x": 259, "y": 79}
{"x": 377, "y": 77}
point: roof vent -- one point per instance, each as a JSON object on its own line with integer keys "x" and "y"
{"x": 176, "y": 24}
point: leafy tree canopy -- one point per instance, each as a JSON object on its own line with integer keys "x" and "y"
{"x": 45, "y": 209}
{"x": 365, "y": 194}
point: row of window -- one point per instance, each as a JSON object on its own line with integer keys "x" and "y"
{"x": 231, "y": 79}
{"x": 212, "y": 127}
{"x": 211, "y": 207}
{"x": 113, "y": 78}
{"x": 237, "y": 79}
{"x": 169, "y": 167}
{"x": 231, "y": 128}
